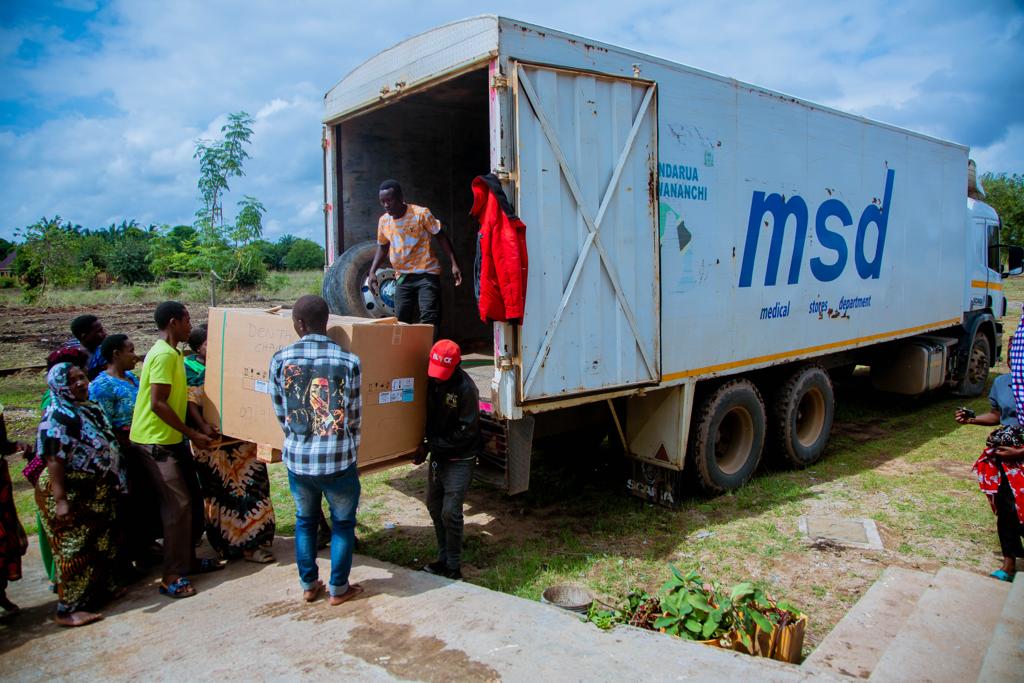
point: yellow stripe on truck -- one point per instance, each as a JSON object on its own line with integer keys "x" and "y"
{"x": 810, "y": 349}
{"x": 981, "y": 284}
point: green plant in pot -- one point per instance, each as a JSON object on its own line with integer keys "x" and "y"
{"x": 751, "y": 609}
{"x": 759, "y": 621}
{"x": 694, "y": 609}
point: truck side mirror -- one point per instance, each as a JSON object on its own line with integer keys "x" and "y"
{"x": 1014, "y": 261}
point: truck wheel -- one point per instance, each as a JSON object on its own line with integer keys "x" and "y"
{"x": 978, "y": 364}
{"x": 802, "y": 415}
{"x": 728, "y": 436}
{"x": 343, "y": 282}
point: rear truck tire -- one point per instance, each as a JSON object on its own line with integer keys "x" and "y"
{"x": 728, "y": 436}
{"x": 802, "y": 415}
{"x": 979, "y": 361}
{"x": 344, "y": 281}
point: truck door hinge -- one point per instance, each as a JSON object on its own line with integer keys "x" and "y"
{"x": 499, "y": 80}
{"x": 503, "y": 174}
{"x": 504, "y": 363}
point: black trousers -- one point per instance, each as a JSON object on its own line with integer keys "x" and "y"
{"x": 1007, "y": 523}
{"x": 447, "y": 483}
{"x": 418, "y": 299}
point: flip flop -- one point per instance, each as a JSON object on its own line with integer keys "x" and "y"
{"x": 181, "y": 588}
{"x": 1002, "y": 575}
{"x": 205, "y": 566}
{"x": 354, "y": 589}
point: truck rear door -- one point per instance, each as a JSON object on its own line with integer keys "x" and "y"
{"x": 586, "y": 170}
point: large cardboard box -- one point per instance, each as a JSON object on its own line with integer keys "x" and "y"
{"x": 393, "y": 358}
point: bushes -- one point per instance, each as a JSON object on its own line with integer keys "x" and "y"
{"x": 304, "y": 255}
{"x": 275, "y": 283}
{"x": 172, "y": 289}
{"x": 129, "y": 262}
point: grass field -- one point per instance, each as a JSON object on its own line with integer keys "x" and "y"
{"x": 899, "y": 461}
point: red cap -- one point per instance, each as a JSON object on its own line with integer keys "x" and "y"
{"x": 445, "y": 356}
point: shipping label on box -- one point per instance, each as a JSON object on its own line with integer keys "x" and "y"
{"x": 393, "y": 359}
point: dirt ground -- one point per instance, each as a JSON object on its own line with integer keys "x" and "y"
{"x": 28, "y": 335}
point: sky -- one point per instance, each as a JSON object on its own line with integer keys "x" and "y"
{"x": 103, "y": 100}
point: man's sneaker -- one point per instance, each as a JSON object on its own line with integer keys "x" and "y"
{"x": 437, "y": 568}
{"x": 453, "y": 574}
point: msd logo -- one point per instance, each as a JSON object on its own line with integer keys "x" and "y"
{"x": 869, "y": 266}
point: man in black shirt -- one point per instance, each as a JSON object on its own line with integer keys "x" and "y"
{"x": 453, "y": 442}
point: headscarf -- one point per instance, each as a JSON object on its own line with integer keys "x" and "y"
{"x": 83, "y": 435}
{"x": 195, "y": 371}
{"x": 76, "y": 354}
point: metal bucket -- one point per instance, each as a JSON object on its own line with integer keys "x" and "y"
{"x": 568, "y": 597}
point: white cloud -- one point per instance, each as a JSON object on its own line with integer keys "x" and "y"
{"x": 119, "y": 110}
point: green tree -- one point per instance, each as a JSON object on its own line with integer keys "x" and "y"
{"x": 304, "y": 255}
{"x": 1005, "y": 193}
{"x": 48, "y": 257}
{"x": 5, "y": 247}
{"x": 274, "y": 252}
{"x": 129, "y": 260}
{"x": 215, "y": 249}
{"x": 219, "y": 161}
{"x": 95, "y": 248}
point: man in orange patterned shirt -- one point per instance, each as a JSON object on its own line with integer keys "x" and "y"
{"x": 403, "y": 237}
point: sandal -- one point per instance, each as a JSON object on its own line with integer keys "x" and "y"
{"x": 354, "y": 589}
{"x": 1002, "y": 575}
{"x": 181, "y": 588}
{"x": 259, "y": 556}
{"x": 205, "y": 566}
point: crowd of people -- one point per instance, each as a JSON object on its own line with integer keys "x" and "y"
{"x": 127, "y": 472}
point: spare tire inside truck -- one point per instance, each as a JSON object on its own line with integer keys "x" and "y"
{"x": 344, "y": 281}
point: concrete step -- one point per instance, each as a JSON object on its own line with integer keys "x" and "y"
{"x": 949, "y": 632}
{"x": 1004, "y": 661}
{"x": 857, "y": 642}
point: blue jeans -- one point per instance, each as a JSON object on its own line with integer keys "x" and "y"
{"x": 342, "y": 492}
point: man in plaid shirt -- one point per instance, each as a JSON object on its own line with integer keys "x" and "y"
{"x": 315, "y": 389}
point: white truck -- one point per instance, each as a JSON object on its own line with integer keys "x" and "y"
{"x": 704, "y": 254}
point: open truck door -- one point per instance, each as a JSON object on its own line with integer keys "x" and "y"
{"x": 586, "y": 170}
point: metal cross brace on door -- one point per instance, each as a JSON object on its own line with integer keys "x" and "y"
{"x": 593, "y": 226}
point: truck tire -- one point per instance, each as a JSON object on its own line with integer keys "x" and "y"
{"x": 802, "y": 415}
{"x": 343, "y": 282}
{"x": 728, "y": 436}
{"x": 979, "y": 361}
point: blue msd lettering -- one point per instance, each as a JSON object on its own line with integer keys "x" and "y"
{"x": 868, "y": 266}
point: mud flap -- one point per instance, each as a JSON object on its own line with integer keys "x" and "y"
{"x": 654, "y": 484}
{"x": 520, "y": 450}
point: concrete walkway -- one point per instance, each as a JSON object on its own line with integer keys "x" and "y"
{"x": 249, "y": 623}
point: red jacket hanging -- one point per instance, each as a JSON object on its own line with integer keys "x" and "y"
{"x": 503, "y": 258}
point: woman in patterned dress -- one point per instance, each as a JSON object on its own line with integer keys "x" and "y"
{"x": 13, "y": 542}
{"x": 236, "y": 487}
{"x": 78, "y": 494}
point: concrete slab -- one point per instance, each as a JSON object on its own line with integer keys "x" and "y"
{"x": 854, "y": 533}
{"x": 249, "y": 623}
{"x": 857, "y": 642}
{"x": 1004, "y": 661}
{"x": 947, "y": 635}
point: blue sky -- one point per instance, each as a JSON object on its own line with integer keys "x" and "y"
{"x": 102, "y": 101}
